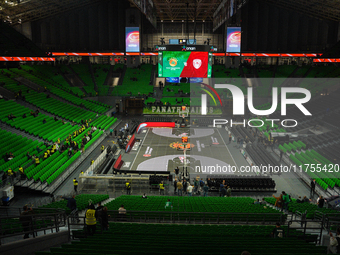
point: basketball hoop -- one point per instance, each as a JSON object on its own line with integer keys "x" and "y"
{"x": 184, "y": 112}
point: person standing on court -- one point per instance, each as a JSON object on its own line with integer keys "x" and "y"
{"x": 102, "y": 148}
{"x": 176, "y": 171}
{"x": 185, "y": 186}
{"x": 179, "y": 187}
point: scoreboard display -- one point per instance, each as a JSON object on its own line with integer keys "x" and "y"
{"x": 184, "y": 64}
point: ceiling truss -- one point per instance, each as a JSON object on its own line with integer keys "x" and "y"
{"x": 178, "y": 10}
{"x": 321, "y": 9}
{"x": 31, "y": 10}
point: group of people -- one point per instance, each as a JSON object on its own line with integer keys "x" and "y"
{"x": 282, "y": 201}
{"x": 8, "y": 156}
{"x": 69, "y": 144}
{"x": 185, "y": 187}
{"x": 93, "y": 214}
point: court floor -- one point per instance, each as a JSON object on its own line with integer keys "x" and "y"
{"x": 162, "y": 150}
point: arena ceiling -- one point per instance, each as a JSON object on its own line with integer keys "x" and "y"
{"x": 21, "y": 11}
{"x": 178, "y": 10}
{"x": 321, "y": 9}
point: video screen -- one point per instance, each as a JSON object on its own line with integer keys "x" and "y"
{"x": 173, "y": 41}
{"x": 233, "y": 39}
{"x": 132, "y": 39}
{"x": 184, "y": 64}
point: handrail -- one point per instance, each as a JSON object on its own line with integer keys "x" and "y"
{"x": 14, "y": 211}
{"x": 203, "y": 217}
{"x": 303, "y": 223}
{"x": 32, "y": 223}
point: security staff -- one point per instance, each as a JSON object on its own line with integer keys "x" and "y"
{"x": 92, "y": 161}
{"x": 9, "y": 172}
{"x": 102, "y": 148}
{"x": 58, "y": 141}
{"x": 45, "y": 155}
{"x": 161, "y": 188}
{"x": 90, "y": 219}
{"x": 37, "y": 161}
{"x": 75, "y": 185}
{"x": 48, "y": 152}
{"x": 21, "y": 171}
{"x": 128, "y": 188}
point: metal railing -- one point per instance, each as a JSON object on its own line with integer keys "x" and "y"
{"x": 197, "y": 217}
{"x": 331, "y": 220}
{"x": 40, "y": 220}
{"x": 303, "y": 225}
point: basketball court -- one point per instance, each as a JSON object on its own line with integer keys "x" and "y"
{"x": 162, "y": 149}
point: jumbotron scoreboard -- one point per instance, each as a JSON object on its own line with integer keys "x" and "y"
{"x": 184, "y": 61}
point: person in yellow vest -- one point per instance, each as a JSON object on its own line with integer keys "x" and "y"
{"x": 81, "y": 172}
{"x": 92, "y": 161}
{"x": 9, "y": 172}
{"x": 45, "y": 155}
{"x": 52, "y": 150}
{"x": 90, "y": 219}
{"x": 83, "y": 128}
{"x": 102, "y": 148}
{"x": 74, "y": 133}
{"x": 37, "y": 161}
{"x": 66, "y": 140}
{"x": 161, "y": 188}
{"x": 48, "y": 152}
{"x": 58, "y": 141}
{"x": 128, "y": 188}
{"x": 75, "y": 185}
{"x": 21, "y": 171}
{"x": 87, "y": 124}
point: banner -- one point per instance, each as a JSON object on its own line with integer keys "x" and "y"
{"x": 233, "y": 39}
{"x": 172, "y": 79}
{"x": 132, "y": 39}
{"x": 196, "y": 80}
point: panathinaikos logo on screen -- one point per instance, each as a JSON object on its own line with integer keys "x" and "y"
{"x": 174, "y": 62}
